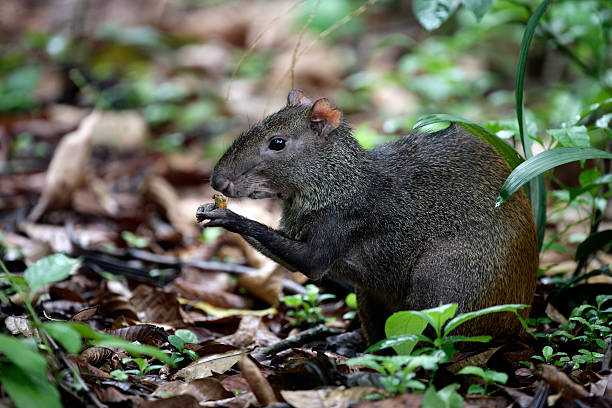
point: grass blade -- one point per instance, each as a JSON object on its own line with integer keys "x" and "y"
{"x": 545, "y": 161}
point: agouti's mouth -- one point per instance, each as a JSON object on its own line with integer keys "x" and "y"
{"x": 265, "y": 194}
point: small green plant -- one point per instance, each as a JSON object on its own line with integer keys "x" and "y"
{"x": 488, "y": 377}
{"x": 135, "y": 241}
{"x": 306, "y": 306}
{"x": 584, "y": 357}
{"x": 143, "y": 368}
{"x": 397, "y": 372}
{"x": 548, "y": 355}
{"x": 447, "y": 397}
{"x": 351, "y": 301}
{"x": 178, "y": 340}
{"x": 404, "y": 329}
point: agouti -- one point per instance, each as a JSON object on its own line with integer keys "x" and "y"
{"x": 410, "y": 223}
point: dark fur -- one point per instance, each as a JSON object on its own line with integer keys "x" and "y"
{"x": 410, "y": 223}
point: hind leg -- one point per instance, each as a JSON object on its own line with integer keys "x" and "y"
{"x": 373, "y": 313}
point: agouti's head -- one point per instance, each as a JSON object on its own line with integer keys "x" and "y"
{"x": 281, "y": 155}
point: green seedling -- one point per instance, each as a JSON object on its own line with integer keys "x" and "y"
{"x": 351, "y": 301}
{"x": 178, "y": 340}
{"x": 488, "y": 377}
{"x": 548, "y": 355}
{"x": 306, "y": 308}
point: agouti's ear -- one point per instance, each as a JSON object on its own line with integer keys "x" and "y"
{"x": 324, "y": 117}
{"x": 297, "y": 97}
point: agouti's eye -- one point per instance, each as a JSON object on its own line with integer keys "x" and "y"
{"x": 277, "y": 144}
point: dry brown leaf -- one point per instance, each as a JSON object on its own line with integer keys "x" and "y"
{"x": 124, "y": 130}
{"x": 85, "y": 314}
{"x": 603, "y": 387}
{"x": 20, "y": 325}
{"x": 175, "y": 401}
{"x": 66, "y": 170}
{"x": 206, "y": 366}
{"x": 402, "y": 400}
{"x": 485, "y": 401}
{"x": 522, "y": 399}
{"x": 265, "y": 285}
{"x": 478, "y": 360}
{"x": 54, "y": 236}
{"x": 216, "y": 297}
{"x": 560, "y": 382}
{"x": 251, "y": 332}
{"x": 163, "y": 194}
{"x": 203, "y": 389}
{"x": 339, "y": 397}
{"x": 143, "y": 333}
{"x": 155, "y": 305}
{"x": 96, "y": 356}
{"x": 217, "y": 312}
{"x": 110, "y": 394}
{"x": 555, "y": 315}
{"x": 259, "y": 385}
{"x": 31, "y": 249}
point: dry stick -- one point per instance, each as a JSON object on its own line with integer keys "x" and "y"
{"x": 259, "y": 385}
{"x": 299, "y": 41}
{"x": 355, "y": 13}
{"x": 302, "y": 338}
{"x": 254, "y": 43}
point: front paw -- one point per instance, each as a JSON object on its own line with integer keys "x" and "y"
{"x": 217, "y": 217}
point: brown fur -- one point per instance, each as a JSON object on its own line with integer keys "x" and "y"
{"x": 411, "y": 223}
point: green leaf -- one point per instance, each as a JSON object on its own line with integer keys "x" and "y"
{"x": 476, "y": 389}
{"x": 404, "y": 323}
{"x": 187, "y": 336}
{"x": 351, "y": 300}
{"x": 395, "y": 341}
{"x": 50, "y": 269}
{"x": 432, "y": 13}
{"x": 472, "y": 370}
{"x": 135, "y": 241}
{"x": 575, "y": 136}
{"x": 593, "y": 243}
{"x": 600, "y": 181}
{"x": 441, "y": 314}
{"x": 478, "y": 7}
{"x": 65, "y": 335}
{"x": 28, "y": 390}
{"x": 447, "y": 397}
{"x": 177, "y": 342}
{"x": 496, "y": 376}
{"x": 522, "y": 64}
{"x": 504, "y": 149}
{"x": 537, "y": 188}
{"x": 464, "y": 317}
{"x": 545, "y": 161}
{"x": 547, "y": 352}
{"x": 22, "y": 356}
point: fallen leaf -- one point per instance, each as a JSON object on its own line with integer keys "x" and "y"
{"x": 124, "y": 130}
{"x": 65, "y": 171}
{"x": 478, "y": 360}
{"x": 265, "y": 285}
{"x": 155, "y": 305}
{"x": 251, "y": 332}
{"x": 339, "y": 397}
{"x": 258, "y": 383}
{"x": 206, "y": 366}
{"x": 216, "y": 312}
{"x": 560, "y": 382}
{"x": 203, "y": 389}
{"x": 85, "y": 314}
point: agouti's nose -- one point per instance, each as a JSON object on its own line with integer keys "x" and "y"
{"x": 219, "y": 183}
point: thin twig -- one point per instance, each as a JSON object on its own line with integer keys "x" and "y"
{"x": 299, "y": 41}
{"x": 301, "y": 338}
{"x": 254, "y": 44}
{"x": 355, "y": 13}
